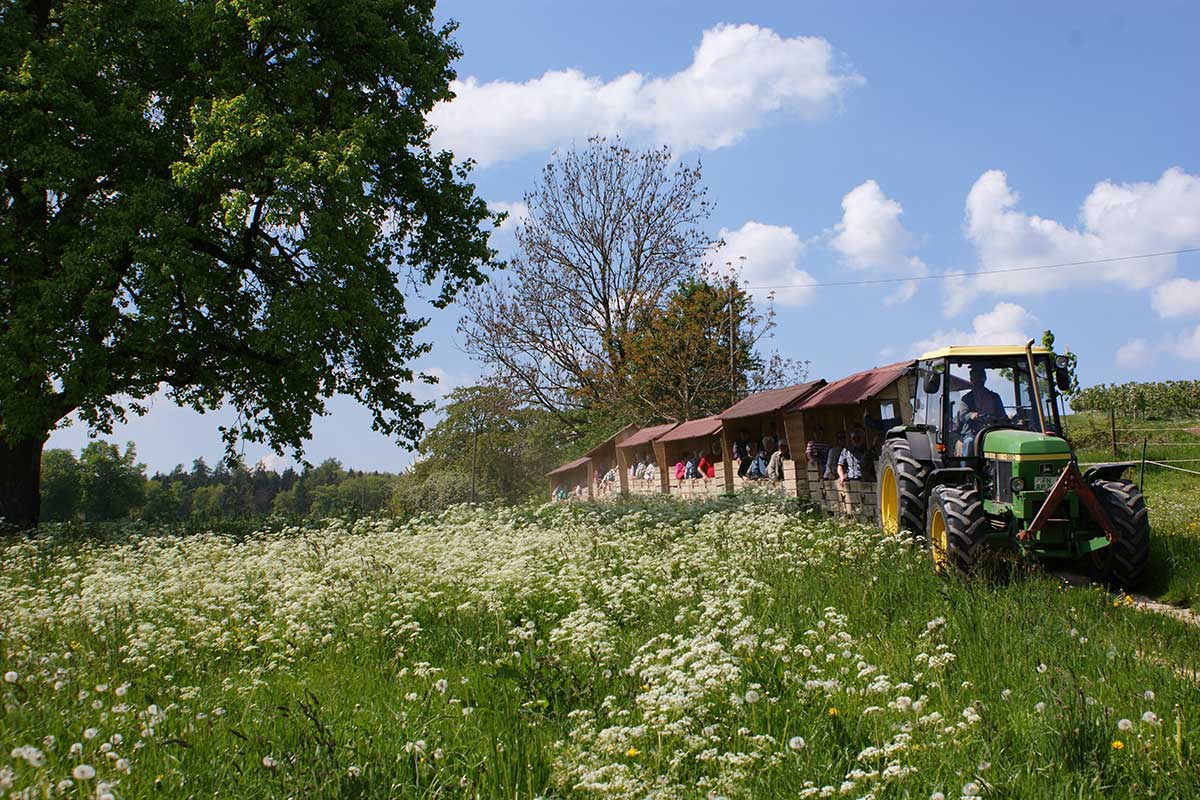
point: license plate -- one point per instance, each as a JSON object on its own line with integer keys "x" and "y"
{"x": 1044, "y": 484}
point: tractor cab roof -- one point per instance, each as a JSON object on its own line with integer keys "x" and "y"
{"x": 982, "y": 351}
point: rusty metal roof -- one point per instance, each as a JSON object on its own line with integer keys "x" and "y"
{"x": 647, "y": 435}
{"x": 771, "y": 400}
{"x": 570, "y": 465}
{"x": 612, "y": 441}
{"x": 693, "y": 429}
{"x": 854, "y": 389}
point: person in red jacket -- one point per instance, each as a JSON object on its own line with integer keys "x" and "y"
{"x": 706, "y": 467}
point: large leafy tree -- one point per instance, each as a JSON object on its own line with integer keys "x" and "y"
{"x": 701, "y": 352}
{"x": 225, "y": 200}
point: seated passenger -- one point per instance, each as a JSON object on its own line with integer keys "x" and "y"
{"x": 835, "y": 452}
{"x": 775, "y": 465}
{"x": 743, "y": 453}
{"x": 707, "y": 470}
{"x": 816, "y": 450}
{"x": 681, "y": 468}
{"x": 692, "y": 470}
{"x": 852, "y": 458}
{"x": 758, "y": 467}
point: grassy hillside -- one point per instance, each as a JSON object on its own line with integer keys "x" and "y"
{"x": 727, "y": 650}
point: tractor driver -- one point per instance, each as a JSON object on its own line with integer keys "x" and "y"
{"x": 980, "y": 406}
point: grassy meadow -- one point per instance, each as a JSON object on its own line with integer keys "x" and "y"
{"x": 1172, "y": 497}
{"x": 648, "y": 649}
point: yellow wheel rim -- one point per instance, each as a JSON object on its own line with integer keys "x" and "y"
{"x": 889, "y": 502}
{"x": 937, "y": 539}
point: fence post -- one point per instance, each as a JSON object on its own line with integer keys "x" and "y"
{"x": 1142, "y": 474}
{"x": 1112, "y": 422}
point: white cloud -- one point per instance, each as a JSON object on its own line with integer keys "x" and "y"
{"x": 870, "y": 237}
{"x": 739, "y": 76}
{"x": 1134, "y": 354}
{"x": 772, "y": 254}
{"x": 1115, "y": 220}
{"x": 1007, "y": 323}
{"x": 273, "y": 462}
{"x": 1177, "y": 298}
{"x": 517, "y": 212}
{"x": 1186, "y": 345}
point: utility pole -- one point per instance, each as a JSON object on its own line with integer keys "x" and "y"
{"x": 732, "y": 375}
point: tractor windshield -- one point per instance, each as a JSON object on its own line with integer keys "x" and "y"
{"x": 988, "y": 392}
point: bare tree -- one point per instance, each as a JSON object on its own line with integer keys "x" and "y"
{"x": 611, "y": 230}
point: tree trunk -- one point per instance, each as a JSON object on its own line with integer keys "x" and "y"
{"x": 20, "y": 483}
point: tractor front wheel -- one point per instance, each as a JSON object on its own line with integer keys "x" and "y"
{"x": 955, "y": 525}
{"x": 1123, "y": 563}
{"x": 901, "y": 486}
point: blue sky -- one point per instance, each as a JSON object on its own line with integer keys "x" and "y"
{"x": 845, "y": 142}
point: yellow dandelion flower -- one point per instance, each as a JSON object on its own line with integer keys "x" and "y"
{"x": 1116, "y": 603}
{"x": 833, "y": 712}
{"x": 1118, "y": 744}
{"x": 631, "y": 752}
{"x": 1129, "y": 599}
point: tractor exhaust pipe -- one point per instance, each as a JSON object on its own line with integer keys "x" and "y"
{"x": 1033, "y": 383}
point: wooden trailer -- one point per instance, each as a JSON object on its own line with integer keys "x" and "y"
{"x": 573, "y": 478}
{"x": 758, "y": 419}
{"x": 639, "y": 449}
{"x": 885, "y": 395}
{"x": 602, "y": 464}
{"x": 697, "y": 436}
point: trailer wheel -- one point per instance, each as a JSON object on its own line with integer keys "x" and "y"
{"x": 956, "y": 529}
{"x": 1123, "y": 563}
{"x": 901, "y": 487}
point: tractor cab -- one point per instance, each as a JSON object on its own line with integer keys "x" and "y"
{"x": 984, "y": 462}
{"x": 969, "y": 392}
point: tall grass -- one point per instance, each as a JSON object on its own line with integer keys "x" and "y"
{"x": 654, "y": 649}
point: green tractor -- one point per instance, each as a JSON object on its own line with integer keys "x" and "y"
{"x": 984, "y": 464}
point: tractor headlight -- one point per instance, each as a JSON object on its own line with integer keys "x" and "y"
{"x": 1018, "y": 484}
{"x": 1061, "y": 362}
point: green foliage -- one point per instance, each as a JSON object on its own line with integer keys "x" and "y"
{"x": 353, "y": 496}
{"x": 163, "y": 501}
{"x": 681, "y": 362}
{"x": 1157, "y": 398}
{"x": 112, "y": 482}
{"x": 225, "y": 199}
{"x": 1072, "y": 361}
{"x": 62, "y": 486}
{"x": 512, "y": 445}
{"x": 435, "y": 493}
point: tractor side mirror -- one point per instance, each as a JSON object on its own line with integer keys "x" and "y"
{"x": 1062, "y": 379}
{"x": 933, "y": 382}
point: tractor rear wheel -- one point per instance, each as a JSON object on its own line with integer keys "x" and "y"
{"x": 901, "y": 487}
{"x": 1123, "y": 563}
{"x": 956, "y": 528}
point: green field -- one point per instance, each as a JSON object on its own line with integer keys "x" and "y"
{"x": 736, "y": 649}
{"x": 1173, "y": 497}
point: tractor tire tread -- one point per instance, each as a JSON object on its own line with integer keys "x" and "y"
{"x": 962, "y": 509}
{"x": 1127, "y": 509}
{"x": 911, "y": 475}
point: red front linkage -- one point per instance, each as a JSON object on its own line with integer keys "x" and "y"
{"x": 1070, "y": 480}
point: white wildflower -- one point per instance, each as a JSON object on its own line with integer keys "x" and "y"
{"x": 797, "y": 743}
{"x": 83, "y": 772}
